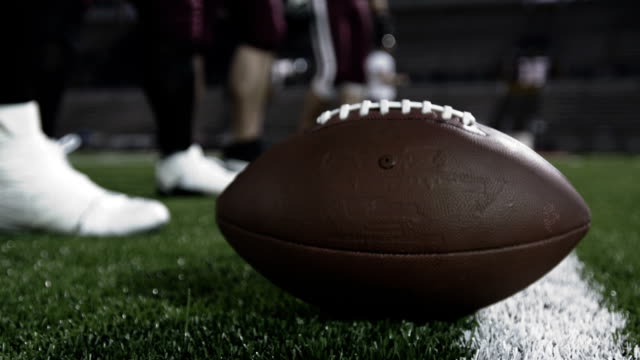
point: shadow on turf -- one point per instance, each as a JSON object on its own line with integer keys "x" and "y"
{"x": 418, "y": 318}
{"x": 232, "y": 287}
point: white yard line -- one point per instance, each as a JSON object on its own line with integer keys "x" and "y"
{"x": 558, "y": 317}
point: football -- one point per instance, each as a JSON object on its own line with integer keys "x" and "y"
{"x": 402, "y": 208}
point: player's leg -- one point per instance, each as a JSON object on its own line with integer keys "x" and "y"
{"x": 39, "y": 190}
{"x": 249, "y": 82}
{"x": 261, "y": 27}
{"x": 341, "y": 38}
{"x": 174, "y": 31}
{"x": 314, "y": 105}
{"x": 168, "y": 73}
{"x": 322, "y": 90}
{"x": 527, "y": 113}
{"x": 59, "y": 32}
{"x": 169, "y": 84}
{"x": 353, "y": 46}
{"x": 351, "y": 93}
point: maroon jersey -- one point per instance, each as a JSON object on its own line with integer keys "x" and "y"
{"x": 341, "y": 35}
{"x": 193, "y": 22}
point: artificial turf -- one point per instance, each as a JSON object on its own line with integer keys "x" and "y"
{"x": 611, "y": 250}
{"x": 182, "y": 293}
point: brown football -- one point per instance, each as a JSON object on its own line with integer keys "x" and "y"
{"x": 402, "y": 208}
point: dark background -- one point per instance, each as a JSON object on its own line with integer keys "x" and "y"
{"x": 456, "y": 52}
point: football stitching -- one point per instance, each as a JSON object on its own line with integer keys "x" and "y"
{"x": 446, "y": 112}
{"x": 547, "y": 240}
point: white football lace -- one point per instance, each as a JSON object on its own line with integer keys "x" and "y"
{"x": 426, "y": 107}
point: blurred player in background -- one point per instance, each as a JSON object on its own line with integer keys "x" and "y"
{"x": 519, "y": 111}
{"x": 39, "y": 190}
{"x": 175, "y": 31}
{"x": 38, "y": 187}
{"x": 341, "y": 33}
{"x": 380, "y": 66}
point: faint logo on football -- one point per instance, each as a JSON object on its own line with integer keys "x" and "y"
{"x": 550, "y": 216}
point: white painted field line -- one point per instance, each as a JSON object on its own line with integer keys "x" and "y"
{"x": 558, "y": 317}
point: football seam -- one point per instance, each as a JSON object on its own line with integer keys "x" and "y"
{"x": 577, "y": 229}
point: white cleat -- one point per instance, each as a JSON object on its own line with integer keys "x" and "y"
{"x": 525, "y": 137}
{"x": 189, "y": 172}
{"x": 235, "y": 165}
{"x": 39, "y": 190}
